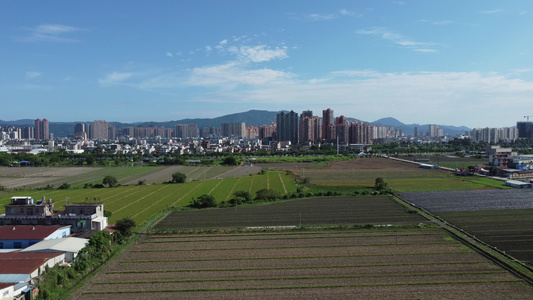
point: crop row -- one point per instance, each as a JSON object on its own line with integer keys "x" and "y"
{"x": 227, "y": 269}
{"x": 444, "y": 201}
{"x": 142, "y": 202}
{"x": 311, "y": 211}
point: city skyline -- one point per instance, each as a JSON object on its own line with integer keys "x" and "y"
{"x": 451, "y": 63}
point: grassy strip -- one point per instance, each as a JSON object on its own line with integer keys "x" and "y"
{"x": 294, "y": 247}
{"x": 273, "y": 237}
{"x": 303, "y": 277}
{"x": 134, "y": 261}
{"x": 300, "y": 287}
{"x": 282, "y": 230}
{"x": 296, "y": 268}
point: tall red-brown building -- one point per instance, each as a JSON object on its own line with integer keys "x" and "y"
{"x": 41, "y": 130}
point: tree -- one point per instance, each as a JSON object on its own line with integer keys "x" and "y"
{"x": 124, "y": 226}
{"x": 267, "y": 195}
{"x": 230, "y": 161}
{"x": 64, "y": 186}
{"x": 110, "y": 181}
{"x": 178, "y": 177}
{"x": 240, "y": 197}
{"x": 203, "y": 201}
{"x": 380, "y": 184}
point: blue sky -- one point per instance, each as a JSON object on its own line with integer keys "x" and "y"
{"x": 446, "y": 62}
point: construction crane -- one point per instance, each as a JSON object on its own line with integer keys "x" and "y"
{"x": 527, "y": 117}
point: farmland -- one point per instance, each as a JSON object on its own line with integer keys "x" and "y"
{"x": 445, "y": 201}
{"x": 360, "y": 264}
{"x": 300, "y": 212}
{"x": 142, "y": 202}
{"x": 510, "y": 230}
{"x": 500, "y": 218}
{"x": 30, "y": 177}
{"x": 401, "y": 176}
{"x": 358, "y": 246}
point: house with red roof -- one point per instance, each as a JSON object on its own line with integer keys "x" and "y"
{"x": 18, "y": 269}
{"x": 23, "y": 236}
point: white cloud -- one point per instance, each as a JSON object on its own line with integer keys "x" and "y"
{"x": 426, "y": 97}
{"x": 398, "y": 39}
{"x": 32, "y": 74}
{"x": 491, "y": 12}
{"x": 233, "y": 74}
{"x": 169, "y": 54}
{"x": 445, "y": 22}
{"x": 326, "y": 16}
{"x": 115, "y": 78}
{"x": 259, "y": 53}
{"x": 321, "y": 17}
{"x": 50, "y": 33}
{"x": 349, "y": 13}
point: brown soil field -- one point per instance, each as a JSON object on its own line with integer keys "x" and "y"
{"x": 425, "y": 263}
{"x": 363, "y": 171}
{"x": 195, "y": 173}
{"x": 31, "y": 177}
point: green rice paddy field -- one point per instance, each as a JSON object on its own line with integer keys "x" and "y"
{"x": 142, "y": 202}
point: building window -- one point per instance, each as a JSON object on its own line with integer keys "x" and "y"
{"x": 17, "y": 245}
{"x": 1, "y": 245}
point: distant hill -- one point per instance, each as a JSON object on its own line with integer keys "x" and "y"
{"x": 409, "y": 129}
{"x": 252, "y": 117}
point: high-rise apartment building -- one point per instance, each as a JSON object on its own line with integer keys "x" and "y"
{"x": 361, "y": 133}
{"x": 27, "y": 133}
{"x": 186, "y": 131}
{"x": 433, "y": 130}
{"x": 233, "y": 129}
{"x": 307, "y": 127}
{"x": 99, "y": 130}
{"x": 267, "y": 132}
{"x": 525, "y": 130}
{"x": 41, "y": 130}
{"x": 328, "y": 125}
{"x": 287, "y": 127}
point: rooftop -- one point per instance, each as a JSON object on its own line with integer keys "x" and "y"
{"x": 69, "y": 244}
{"x": 28, "y": 232}
{"x": 23, "y": 263}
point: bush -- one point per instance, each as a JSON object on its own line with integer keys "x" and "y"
{"x": 110, "y": 181}
{"x": 64, "y": 186}
{"x": 124, "y": 226}
{"x": 203, "y": 201}
{"x": 267, "y": 195}
{"x": 230, "y": 161}
{"x": 380, "y": 184}
{"x": 178, "y": 177}
{"x": 241, "y": 197}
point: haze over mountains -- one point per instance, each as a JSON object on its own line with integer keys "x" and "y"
{"x": 252, "y": 117}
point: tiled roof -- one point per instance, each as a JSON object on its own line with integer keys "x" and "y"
{"x": 23, "y": 263}
{"x": 4, "y": 285}
{"x": 27, "y": 232}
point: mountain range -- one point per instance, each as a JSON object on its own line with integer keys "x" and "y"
{"x": 252, "y": 117}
